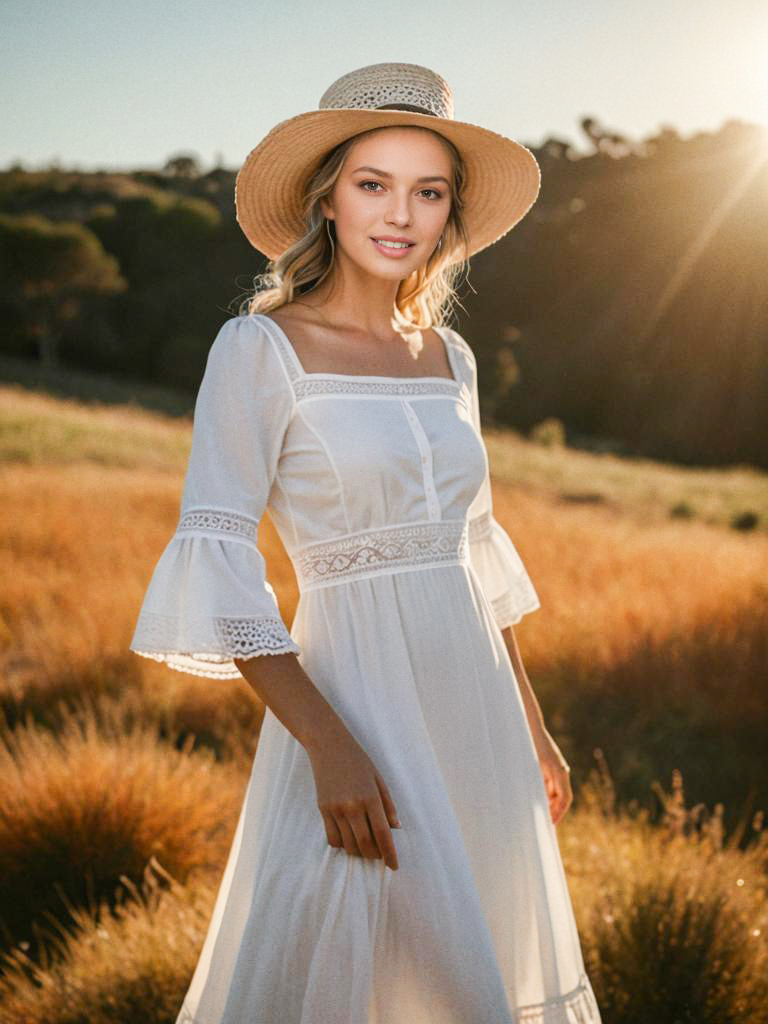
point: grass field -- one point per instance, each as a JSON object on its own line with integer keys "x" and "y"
{"x": 121, "y": 780}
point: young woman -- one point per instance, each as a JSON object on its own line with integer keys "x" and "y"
{"x": 395, "y": 860}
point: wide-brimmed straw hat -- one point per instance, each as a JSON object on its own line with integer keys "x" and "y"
{"x": 502, "y": 179}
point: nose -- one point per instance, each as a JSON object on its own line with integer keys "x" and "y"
{"x": 399, "y": 209}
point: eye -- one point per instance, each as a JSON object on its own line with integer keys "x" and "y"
{"x": 363, "y": 184}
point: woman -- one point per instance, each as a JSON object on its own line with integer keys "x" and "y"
{"x": 395, "y": 860}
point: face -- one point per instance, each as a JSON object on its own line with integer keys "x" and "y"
{"x": 394, "y": 185}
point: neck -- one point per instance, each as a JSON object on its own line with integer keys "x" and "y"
{"x": 354, "y": 298}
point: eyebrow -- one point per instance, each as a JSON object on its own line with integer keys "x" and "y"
{"x": 386, "y": 174}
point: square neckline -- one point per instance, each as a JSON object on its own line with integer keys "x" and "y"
{"x": 364, "y": 376}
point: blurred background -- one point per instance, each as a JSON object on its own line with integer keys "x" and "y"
{"x": 621, "y": 332}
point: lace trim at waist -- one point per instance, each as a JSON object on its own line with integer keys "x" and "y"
{"x": 387, "y": 550}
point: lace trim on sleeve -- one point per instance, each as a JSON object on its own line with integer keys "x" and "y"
{"x": 510, "y": 608}
{"x": 221, "y": 638}
{"x": 479, "y": 527}
{"x": 219, "y": 520}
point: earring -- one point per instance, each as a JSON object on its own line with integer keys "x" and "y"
{"x": 440, "y": 243}
{"x": 328, "y": 232}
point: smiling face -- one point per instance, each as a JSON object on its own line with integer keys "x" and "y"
{"x": 394, "y": 187}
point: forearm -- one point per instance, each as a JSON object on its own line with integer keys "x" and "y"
{"x": 281, "y": 683}
{"x": 532, "y": 709}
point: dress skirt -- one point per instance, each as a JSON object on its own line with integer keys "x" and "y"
{"x": 476, "y": 923}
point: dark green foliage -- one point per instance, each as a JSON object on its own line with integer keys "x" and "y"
{"x": 628, "y": 304}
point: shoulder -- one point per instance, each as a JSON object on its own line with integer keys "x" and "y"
{"x": 244, "y": 373}
{"x": 462, "y": 350}
{"x": 458, "y": 342}
{"x": 244, "y": 347}
{"x": 245, "y": 335}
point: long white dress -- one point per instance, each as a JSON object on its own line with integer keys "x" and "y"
{"x": 379, "y": 490}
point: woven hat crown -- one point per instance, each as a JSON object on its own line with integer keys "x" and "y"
{"x": 391, "y": 87}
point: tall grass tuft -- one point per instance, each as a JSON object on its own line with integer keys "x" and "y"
{"x": 122, "y": 964}
{"x": 673, "y": 921}
{"x": 674, "y": 916}
{"x": 92, "y": 804}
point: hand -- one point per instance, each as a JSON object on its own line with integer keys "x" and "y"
{"x": 354, "y": 800}
{"x": 556, "y": 775}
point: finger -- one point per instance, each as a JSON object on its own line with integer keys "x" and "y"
{"x": 362, "y": 830}
{"x": 559, "y": 782}
{"x": 553, "y": 810}
{"x": 564, "y": 804}
{"x": 348, "y": 836}
{"x": 331, "y": 830}
{"x": 389, "y": 804}
{"x": 383, "y": 835}
{"x": 557, "y": 812}
{"x": 557, "y": 807}
{"x": 567, "y": 798}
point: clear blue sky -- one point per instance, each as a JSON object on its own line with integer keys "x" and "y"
{"x": 102, "y": 84}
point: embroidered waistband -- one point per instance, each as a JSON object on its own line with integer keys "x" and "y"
{"x": 388, "y": 550}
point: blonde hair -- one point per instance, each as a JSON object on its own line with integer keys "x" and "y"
{"x": 423, "y": 298}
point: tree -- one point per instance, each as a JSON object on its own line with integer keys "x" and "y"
{"x": 183, "y": 165}
{"x": 47, "y": 270}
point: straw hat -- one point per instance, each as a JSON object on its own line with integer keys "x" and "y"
{"x": 502, "y": 182}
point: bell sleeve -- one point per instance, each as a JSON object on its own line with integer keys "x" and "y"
{"x": 493, "y": 556}
{"x": 208, "y": 600}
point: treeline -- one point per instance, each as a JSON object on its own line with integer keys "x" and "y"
{"x": 630, "y": 304}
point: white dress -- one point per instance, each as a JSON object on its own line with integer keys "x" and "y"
{"x": 379, "y": 490}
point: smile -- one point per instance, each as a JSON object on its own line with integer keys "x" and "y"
{"x": 392, "y": 248}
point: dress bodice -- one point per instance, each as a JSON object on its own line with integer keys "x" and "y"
{"x": 369, "y": 453}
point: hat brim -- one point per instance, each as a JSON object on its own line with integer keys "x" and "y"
{"x": 502, "y": 181}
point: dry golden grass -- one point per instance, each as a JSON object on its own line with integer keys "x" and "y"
{"x": 651, "y": 645}
{"x": 79, "y": 545}
{"x": 673, "y": 917}
{"x": 95, "y": 802}
{"x": 608, "y": 583}
{"x": 40, "y": 429}
{"x": 128, "y": 963}
{"x": 673, "y": 924}
{"x": 644, "y": 625}
{"x": 642, "y": 489}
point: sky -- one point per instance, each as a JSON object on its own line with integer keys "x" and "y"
{"x": 117, "y": 86}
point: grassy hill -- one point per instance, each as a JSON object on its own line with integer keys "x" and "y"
{"x": 648, "y": 656}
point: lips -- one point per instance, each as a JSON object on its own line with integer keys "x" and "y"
{"x": 393, "y": 246}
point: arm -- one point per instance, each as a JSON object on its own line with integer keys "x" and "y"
{"x": 355, "y": 802}
{"x": 210, "y": 610}
{"x": 554, "y": 767}
{"x": 281, "y": 684}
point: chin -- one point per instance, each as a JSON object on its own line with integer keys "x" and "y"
{"x": 394, "y": 272}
